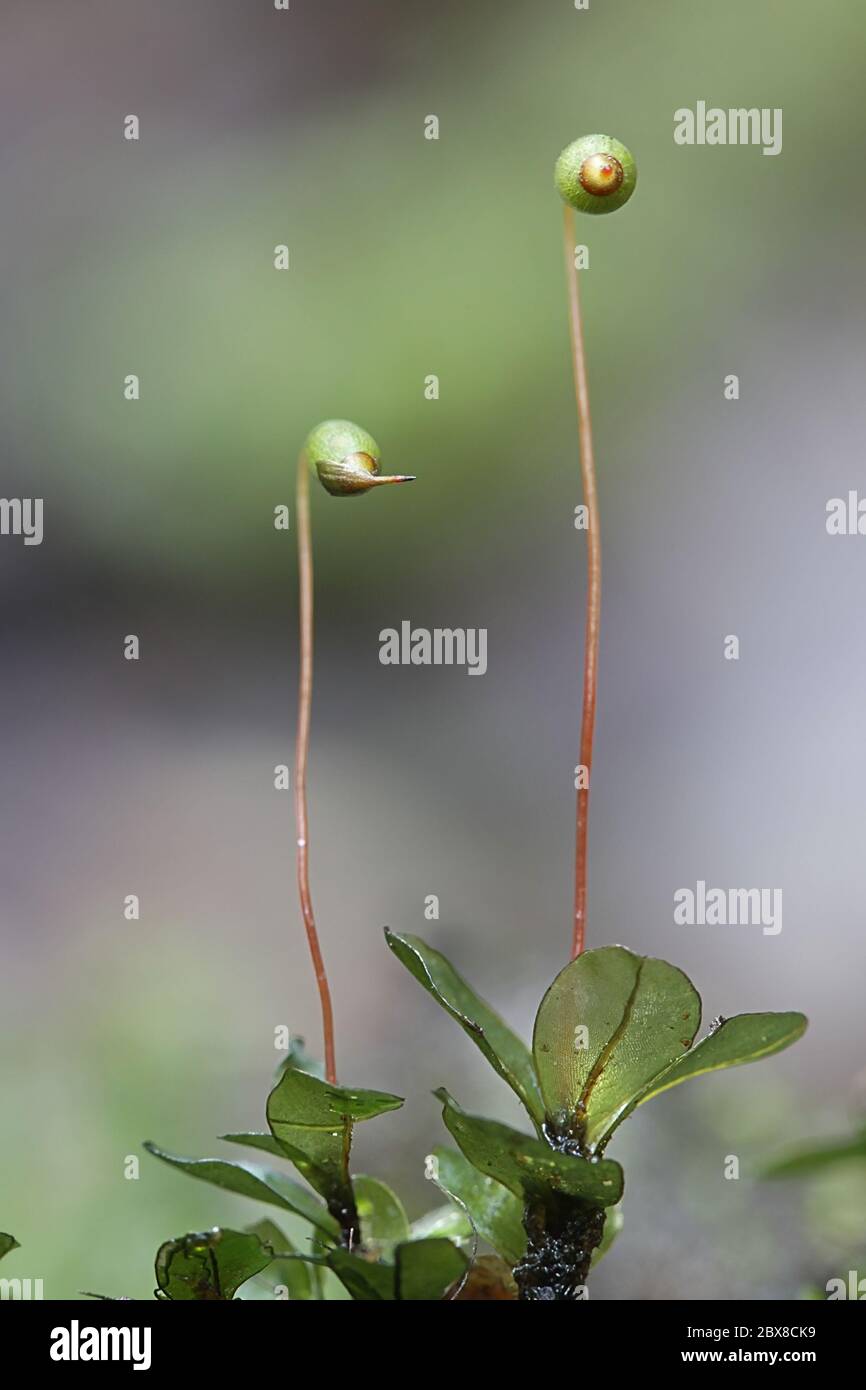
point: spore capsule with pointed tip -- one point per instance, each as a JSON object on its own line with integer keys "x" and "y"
{"x": 347, "y": 459}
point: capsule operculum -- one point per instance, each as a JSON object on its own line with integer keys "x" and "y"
{"x": 601, "y": 175}
{"x": 596, "y": 173}
{"x": 354, "y": 474}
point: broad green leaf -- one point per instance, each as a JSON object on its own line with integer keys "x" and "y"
{"x": 209, "y": 1265}
{"x": 494, "y": 1211}
{"x": 529, "y": 1167}
{"x": 451, "y": 1222}
{"x": 327, "y": 1287}
{"x": 506, "y": 1053}
{"x": 744, "y": 1038}
{"x": 313, "y": 1121}
{"x": 7, "y": 1243}
{"x": 610, "y": 1022}
{"x": 256, "y": 1140}
{"x": 384, "y": 1222}
{"x": 367, "y": 1282}
{"x": 814, "y": 1158}
{"x": 613, "y": 1222}
{"x": 426, "y": 1270}
{"x": 294, "y": 1275}
{"x": 303, "y": 1101}
{"x": 248, "y": 1179}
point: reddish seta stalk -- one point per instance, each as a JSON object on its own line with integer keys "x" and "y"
{"x": 593, "y": 590}
{"x": 302, "y": 742}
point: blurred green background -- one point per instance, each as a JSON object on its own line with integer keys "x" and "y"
{"x": 408, "y": 258}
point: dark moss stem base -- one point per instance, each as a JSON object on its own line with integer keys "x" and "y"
{"x": 561, "y": 1234}
{"x": 342, "y": 1208}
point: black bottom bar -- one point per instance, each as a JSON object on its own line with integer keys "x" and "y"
{"x": 78, "y": 1338}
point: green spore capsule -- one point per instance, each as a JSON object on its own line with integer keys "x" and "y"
{"x": 596, "y": 174}
{"x": 347, "y": 459}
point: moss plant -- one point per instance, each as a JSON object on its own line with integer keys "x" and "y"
{"x": 347, "y": 461}
{"x": 358, "y": 1231}
{"x": 614, "y": 1029}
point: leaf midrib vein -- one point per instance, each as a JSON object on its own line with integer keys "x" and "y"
{"x": 611, "y": 1044}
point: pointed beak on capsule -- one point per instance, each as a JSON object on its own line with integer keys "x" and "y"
{"x": 356, "y": 473}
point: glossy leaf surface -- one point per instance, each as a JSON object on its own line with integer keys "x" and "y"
{"x": 504, "y": 1050}
{"x": 494, "y": 1211}
{"x": 312, "y": 1121}
{"x": 250, "y": 1180}
{"x": 744, "y": 1038}
{"x": 428, "y": 1269}
{"x": 210, "y": 1265}
{"x": 610, "y": 1022}
{"x": 529, "y": 1167}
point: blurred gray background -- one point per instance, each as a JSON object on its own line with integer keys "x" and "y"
{"x": 411, "y": 257}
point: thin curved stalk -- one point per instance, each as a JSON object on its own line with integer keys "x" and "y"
{"x": 302, "y": 742}
{"x": 593, "y": 589}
